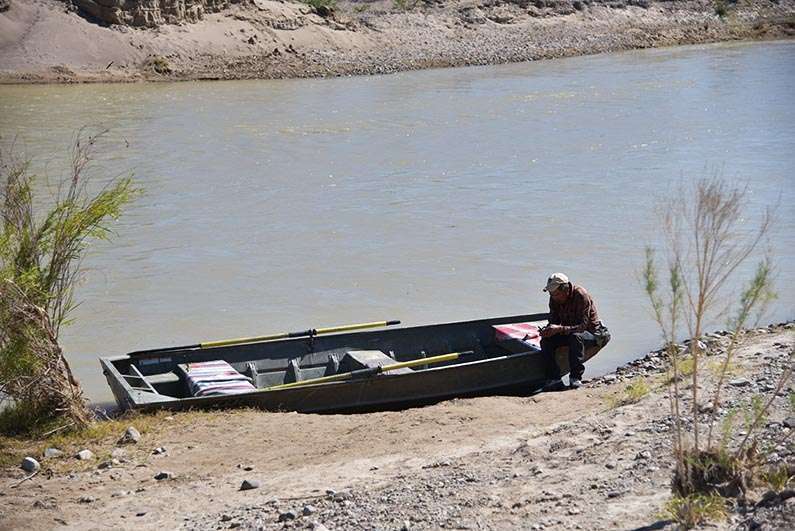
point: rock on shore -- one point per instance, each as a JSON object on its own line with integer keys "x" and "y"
{"x": 130, "y": 436}
{"x": 30, "y": 465}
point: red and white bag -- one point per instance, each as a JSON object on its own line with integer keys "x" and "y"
{"x": 527, "y": 333}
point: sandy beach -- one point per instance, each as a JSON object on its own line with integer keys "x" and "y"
{"x": 586, "y": 459}
{"x": 53, "y": 41}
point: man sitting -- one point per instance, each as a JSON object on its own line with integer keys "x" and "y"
{"x": 574, "y": 323}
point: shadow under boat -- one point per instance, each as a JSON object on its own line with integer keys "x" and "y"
{"x": 157, "y": 380}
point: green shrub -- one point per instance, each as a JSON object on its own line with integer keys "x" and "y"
{"x": 24, "y": 419}
{"x": 40, "y": 256}
{"x": 717, "y": 472}
{"x": 159, "y": 64}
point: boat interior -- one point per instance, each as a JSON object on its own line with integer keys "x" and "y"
{"x": 271, "y": 363}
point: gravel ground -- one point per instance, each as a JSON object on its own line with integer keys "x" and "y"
{"x": 591, "y": 473}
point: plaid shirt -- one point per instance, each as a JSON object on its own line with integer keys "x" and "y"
{"x": 577, "y": 314}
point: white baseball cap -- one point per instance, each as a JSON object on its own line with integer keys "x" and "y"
{"x": 555, "y": 281}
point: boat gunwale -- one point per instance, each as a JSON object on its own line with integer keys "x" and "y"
{"x": 518, "y": 318}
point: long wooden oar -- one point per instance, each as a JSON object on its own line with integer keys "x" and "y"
{"x": 269, "y": 337}
{"x": 372, "y": 371}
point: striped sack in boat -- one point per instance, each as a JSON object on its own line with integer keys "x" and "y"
{"x": 215, "y": 378}
{"x": 527, "y": 333}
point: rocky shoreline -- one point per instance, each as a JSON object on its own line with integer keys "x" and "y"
{"x": 49, "y": 41}
{"x": 586, "y": 459}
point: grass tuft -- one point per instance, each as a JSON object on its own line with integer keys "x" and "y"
{"x": 97, "y": 435}
{"x": 728, "y": 369}
{"x": 686, "y": 366}
{"x": 777, "y": 478}
{"x": 725, "y": 8}
{"x": 405, "y": 5}
{"x": 100, "y": 436}
{"x": 631, "y": 394}
{"x": 322, "y": 5}
{"x": 696, "y": 509}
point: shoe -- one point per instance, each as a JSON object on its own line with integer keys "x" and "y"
{"x": 554, "y": 385}
{"x": 575, "y": 384}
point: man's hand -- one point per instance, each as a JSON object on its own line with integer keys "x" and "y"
{"x": 551, "y": 330}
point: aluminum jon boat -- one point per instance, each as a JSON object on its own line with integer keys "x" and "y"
{"x": 318, "y": 371}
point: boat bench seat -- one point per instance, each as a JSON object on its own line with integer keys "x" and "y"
{"x": 214, "y": 377}
{"x": 368, "y": 359}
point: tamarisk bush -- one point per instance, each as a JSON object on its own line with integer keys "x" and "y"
{"x": 707, "y": 238}
{"x": 42, "y": 243}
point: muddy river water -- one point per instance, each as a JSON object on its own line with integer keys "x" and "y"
{"x": 426, "y": 196}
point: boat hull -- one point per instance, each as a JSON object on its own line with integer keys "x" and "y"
{"x": 491, "y": 370}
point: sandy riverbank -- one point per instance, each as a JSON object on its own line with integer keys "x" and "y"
{"x": 44, "y": 41}
{"x": 569, "y": 460}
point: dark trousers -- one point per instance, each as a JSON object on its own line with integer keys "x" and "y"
{"x": 577, "y": 344}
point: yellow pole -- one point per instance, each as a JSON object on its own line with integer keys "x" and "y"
{"x": 241, "y": 340}
{"x": 282, "y": 335}
{"x": 346, "y": 375}
{"x": 346, "y": 328}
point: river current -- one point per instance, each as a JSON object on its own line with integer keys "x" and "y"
{"x": 429, "y": 196}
